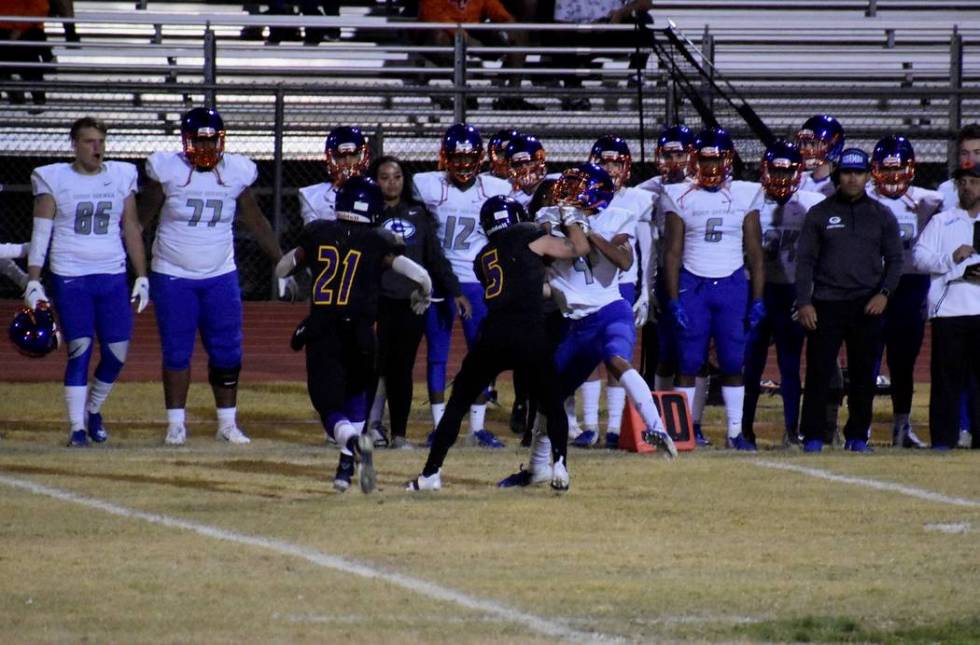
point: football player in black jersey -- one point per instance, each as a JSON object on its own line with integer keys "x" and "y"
{"x": 511, "y": 268}
{"x": 347, "y": 257}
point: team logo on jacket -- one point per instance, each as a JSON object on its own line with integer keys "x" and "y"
{"x": 403, "y": 229}
{"x": 834, "y": 222}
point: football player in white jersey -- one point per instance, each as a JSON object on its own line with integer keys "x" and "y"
{"x": 892, "y": 172}
{"x": 497, "y": 154}
{"x": 85, "y": 211}
{"x": 820, "y": 141}
{"x": 454, "y": 195}
{"x": 347, "y": 155}
{"x": 782, "y": 209}
{"x": 712, "y": 227}
{"x": 612, "y": 153}
{"x": 675, "y": 146}
{"x": 600, "y": 321}
{"x": 198, "y": 193}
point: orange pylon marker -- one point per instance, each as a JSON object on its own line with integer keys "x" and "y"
{"x": 674, "y": 412}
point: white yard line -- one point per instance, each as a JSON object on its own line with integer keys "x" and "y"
{"x": 874, "y": 484}
{"x": 424, "y": 588}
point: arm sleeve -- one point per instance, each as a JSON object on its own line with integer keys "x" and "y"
{"x": 435, "y": 260}
{"x": 12, "y": 251}
{"x": 892, "y": 251}
{"x": 806, "y": 259}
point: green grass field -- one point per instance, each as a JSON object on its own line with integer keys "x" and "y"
{"x": 219, "y": 543}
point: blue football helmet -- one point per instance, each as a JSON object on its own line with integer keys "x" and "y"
{"x": 202, "y": 134}
{"x": 820, "y": 139}
{"x": 341, "y": 143}
{"x": 674, "y": 147}
{"x": 588, "y": 187}
{"x": 496, "y": 152}
{"x": 500, "y": 212}
{"x": 893, "y": 165}
{"x": 525, "y": 162}
{"x": 34, "y": 332}
{"x": 611, "y": 148}
{"x": 781, "y": 170}
{"x": 461, "y": 153}
{"x": 713, "y": 158}
{"x": 360, "y": 200}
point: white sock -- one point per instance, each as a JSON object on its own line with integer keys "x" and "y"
{"x": 478, "y": 415}
{"x": 438, "y": 409}
{"x": 663, "y": 383}
{"x": 615, "y": 402}
{"x": 540, "y": 450}
{"x": 75, "y": 403}
{"x": 689, "y": 393}
{"x": 701, "y": 384}
{"x": 378, "y": 407}
{"x": 97, "y": 395}
{"x": 639, "y": 393}
{"x": 734, "y": 397}
{"x": 570, "y": 413}
{"x": 343, "y": 432}
{"x": 591, "y": 390}
{"x": 175, "y": 416}
{"x": 358, "y": 426}
{"x": 226, "y": 418}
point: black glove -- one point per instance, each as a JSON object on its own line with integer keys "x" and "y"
{"x": 301, "y": 335}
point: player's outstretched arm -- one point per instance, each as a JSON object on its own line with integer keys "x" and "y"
{"x": 752, "y": 245}
{"x": 290, "y": 262}
{"x": 618, "y": 250}
{"x": 574, "y": 246}
{"x": 421, "y": 297}
{"x": 14, "y": 251}
{"x": 673, "y": 250}
{"x": 150, "y": 202}
{"x": 253, "y": 219}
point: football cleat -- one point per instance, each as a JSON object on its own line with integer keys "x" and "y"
{"x": 379, "y": 435}
{"x": 813, "y": 445}
{"x": 433, "y": 482}
{"x": 345, "y": 473}
{"x": 485, "y": 439}
{"x": 232, "y": 434}
{"x": 559, "y": 476}
{"x": 612, "y": 440}
{"x": 699, "y": 437}
{"x": 77, "y": 439}
{"x": 520, "y": 478}
{"x": 368, "y": 479}
{"x": 791, "y": 440}
{"x": 587, "y": 438}
{"x": 905, "y": 437}
{"x": 176, "y": 435}
{"x": 966, "y": 439}
{"x": 662, "y": 440}
{"x": 96, "y": 431}
{"x": 740, "y": 443}
{"x": 401, "y": 443}
{"x": 859, "y": 445}
{"x": 518, "y": 418}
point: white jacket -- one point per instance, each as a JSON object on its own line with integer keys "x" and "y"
{"x": 949, "y": 294}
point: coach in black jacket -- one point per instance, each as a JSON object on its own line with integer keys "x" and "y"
{"x": 849, "y": 259}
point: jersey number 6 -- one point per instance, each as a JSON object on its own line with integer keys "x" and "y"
{"x": 323, "y": 288}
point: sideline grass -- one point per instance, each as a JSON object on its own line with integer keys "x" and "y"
{"x": 708, "y": 548}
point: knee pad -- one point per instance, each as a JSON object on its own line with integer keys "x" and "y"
{"x": 79, "y": 354}
{"x": 111, "y": 361}
{"x": 223, "y": 376}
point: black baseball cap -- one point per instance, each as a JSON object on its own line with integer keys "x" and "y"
{"x": 854, "y": 160}
{"x": 972, "y": 170}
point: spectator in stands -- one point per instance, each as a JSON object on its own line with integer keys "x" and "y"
{"x": 849, "y": 261}
{"x": 399, "y": 328}
{"x": 598, "y": 11}
{"x": 948, "y": 250}
{"x": 477, "y": 11}
{"x": 24, "y": 32}
{"x": 66, "y": 9}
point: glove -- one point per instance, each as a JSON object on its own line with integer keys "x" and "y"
{"x": 420, "y": 301}
{"x": 571, "y": 215}
{"x": 34, "y": 293}
{"x": 299, "y": 338}
{"x": 288, "y": 289}
{"x": 641, "y": 309}
{"x": 548, "y": 215}
{"x": 141, "y": 294}
{"x": 680, "y": 316}
{"x": 757, "y": 312}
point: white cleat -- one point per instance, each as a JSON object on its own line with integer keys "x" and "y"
{"x": 176, "y": 436}
{"x": 661, "y": 439}
{"x": 232, "y": 435}
{"x": 422, "y": 482}
{"x": 367, "y": 477}
{"x": 541, "y": 474}
{"x": 559, "y": 476}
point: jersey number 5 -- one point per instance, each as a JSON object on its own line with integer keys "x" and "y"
{"x": 494, "y": 274}
{"x": 324, "y": 288}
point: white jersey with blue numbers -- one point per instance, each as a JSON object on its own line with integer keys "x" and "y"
{"x": 589, "y": 283}
{"x": 913, "y": 211}
{"x": 87, "y": 234}
{"x": 458, "y": 214}
{"x": 951, "y": 198}
{"x": 194, "y": 238}
{"x": 781, "y": 225}
{"x": 823, "y": 186}
{"x": 712, "y": 224}
{"x": 318, "y": 202}
{"x": 640, "y": 203}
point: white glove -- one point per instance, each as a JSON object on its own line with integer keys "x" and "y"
{"x": 571, "y": 215}
{"x": 141, "y": 294}
{"x": 288, "y": 289}
{"x": 548, "y": 215}
{"x": 641, "y": 308}
{"x": 420, "y": 300}
{"x": 34, "y": 293}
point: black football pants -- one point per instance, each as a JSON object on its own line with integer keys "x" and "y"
{"x": 955, "y": 356}
{"x": 399, "y": 334}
